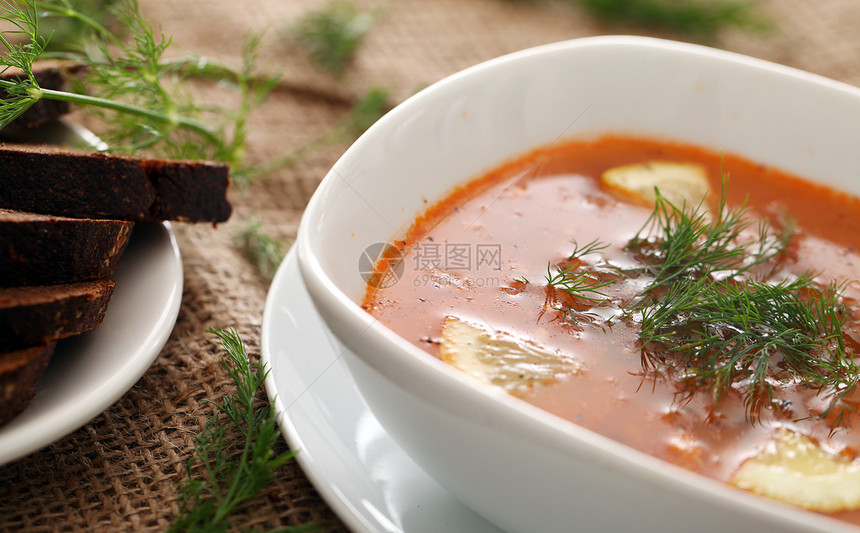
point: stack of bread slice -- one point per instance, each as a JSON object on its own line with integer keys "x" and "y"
{"x": 65, "y": 220}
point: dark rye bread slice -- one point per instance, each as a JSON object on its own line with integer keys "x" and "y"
{"x": 46, "y": 249}
{"x": 31, "y": 316}
{"x": 58, "y": 181}
{"x": 20, "y": 372}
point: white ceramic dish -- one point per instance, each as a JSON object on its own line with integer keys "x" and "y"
{"x": 360, "y": 471}
{"x": 520, "y": 468}
{"x": 90, "y": 372}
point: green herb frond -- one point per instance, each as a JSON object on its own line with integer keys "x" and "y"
{"x": 22, "y": 46}
{"x": 231, "y": 471}
{"x": 27, "y": 45}
{"x": 726, "y": 329}
{"x": 592, "y": 247}
{"x": 71, "y": 26}
{"x": 701, "y": 19}
{"x": 135, "y": 74}
{"x": 145, "y": 101}
{"x": 578, "y": 283}
{"x": 264, "y": 252}
{"x": 681, "y": 242}
{"x": 713, "y": 321}
{"x": 331, "y": 36}
{"x": 364, "y": 113}
{"x": 726, "y": 332}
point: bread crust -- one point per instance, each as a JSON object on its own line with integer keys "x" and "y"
{"x": 43, "y": 249}
{"x": 31, "y": 316}
{"x": 20, "y": 373}
{"x": 59, "y": 181}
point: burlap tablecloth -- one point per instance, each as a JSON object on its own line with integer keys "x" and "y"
{"x": 120, "y": 471}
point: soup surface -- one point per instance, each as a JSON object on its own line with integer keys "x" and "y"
{"x": 485, "y": 255}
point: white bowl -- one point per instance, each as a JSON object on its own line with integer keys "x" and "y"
{"x": 519, "y": 467}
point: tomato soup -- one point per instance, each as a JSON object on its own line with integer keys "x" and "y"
{"x": 482, "y": 255}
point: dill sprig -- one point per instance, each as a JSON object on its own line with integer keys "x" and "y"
{"x": 264, "y": 252}
{"x": 144, "y": 99}
{"x": 713, "y": 315}
{"x": 681, "y": 242}
{"x": 232, "y": 472}
{"x": 366, "y": 110}
{"x": 703, "y": 18}
{"x": 578, "y": 282}
{"x": 148, "y": 102}
{"x": 330, "y": 36}
{"x": 136, "y": 73}
{"x": 23, "y": 46}
{"x": 725, "y": 333}
{"x": 701, "y": 314}
{"x": 71, "y": 29}
{"x": 580, "y": 251}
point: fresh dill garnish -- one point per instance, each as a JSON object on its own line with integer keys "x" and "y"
{"x": 575, "y": 278}
{"x": 688, "y": 241}
{"x": 701, "y": 314}
{"x": 722, "y": 332}
{"x": 143, "y": 98}
{"x": 137, "y": 74}
{"x": 71, "y": 29}
{"x": 701, "y": 18}
{"x": 363, "y": 114}
{"x": 579, "y": 284}
{"x": 262, "y": 251}
{"x": 331, "y": 36}
{"x": 724, "y": 328}
{"x": 146, "y": 101}
{"x": 521, "y": 279}
{"x": 223, "y": 473}
{"x": 697, "y": 18}
{"x": 579, "y": 252}
{"x": 714, "y": 316}
{"x": 23, "y": 46}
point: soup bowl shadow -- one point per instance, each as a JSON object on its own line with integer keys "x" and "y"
{"x": 521, "y": 468}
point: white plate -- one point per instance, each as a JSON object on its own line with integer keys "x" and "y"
{"x": 90, "y": 372}
{"x": 361, "y": 473}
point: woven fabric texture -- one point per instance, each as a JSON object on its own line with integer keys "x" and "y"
{"x": 120, "y": 471}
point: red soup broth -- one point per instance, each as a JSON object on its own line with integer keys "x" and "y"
{"x": 464, "y": 255}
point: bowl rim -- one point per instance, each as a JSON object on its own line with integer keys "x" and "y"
{"x": 335, "y": 304}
